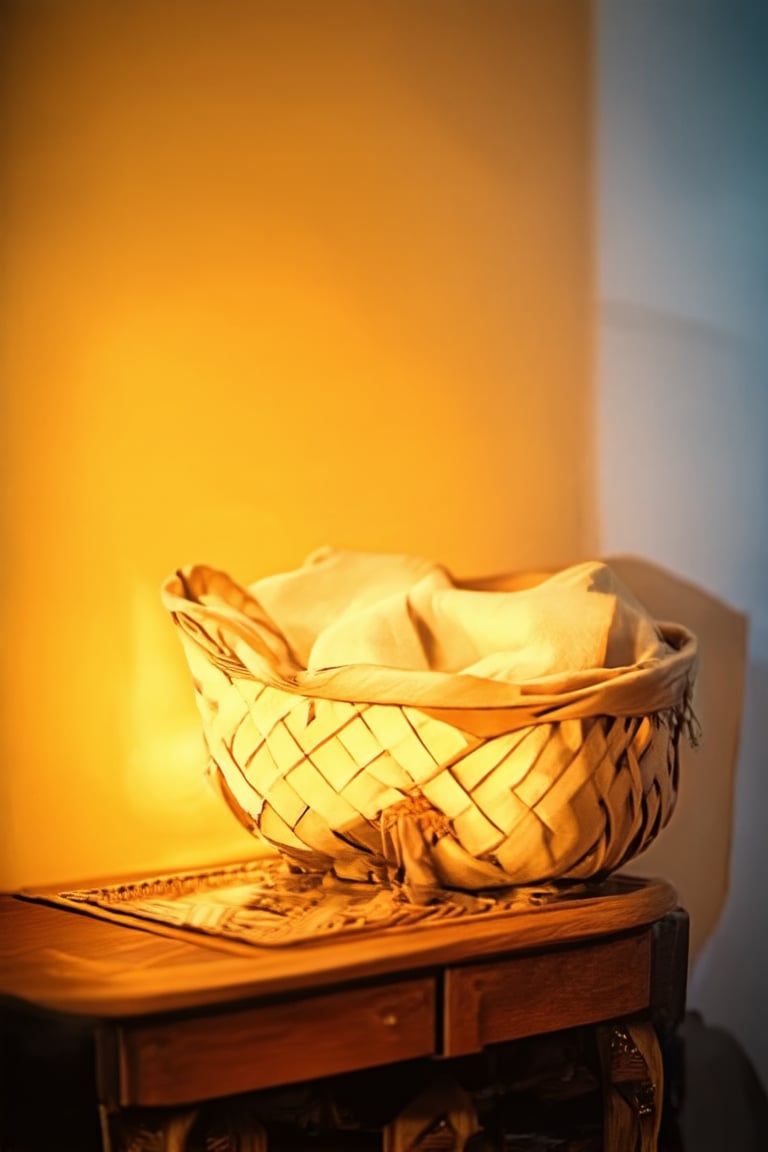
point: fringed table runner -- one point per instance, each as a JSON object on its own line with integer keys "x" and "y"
{"x": 263, "y": 903}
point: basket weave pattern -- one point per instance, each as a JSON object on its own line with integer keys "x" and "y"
{"x": 388, "y": 793}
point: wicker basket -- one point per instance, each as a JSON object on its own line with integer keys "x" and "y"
{"x": 425, "y": 797}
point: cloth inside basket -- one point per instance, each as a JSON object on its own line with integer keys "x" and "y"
{"x": 400, "y": 629}
{"x": 346, "y": 608}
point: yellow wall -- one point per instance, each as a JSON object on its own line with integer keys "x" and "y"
{"x": 274, "y": 274}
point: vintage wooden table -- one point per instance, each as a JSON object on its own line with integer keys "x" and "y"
{"x": 177, "y": 1022}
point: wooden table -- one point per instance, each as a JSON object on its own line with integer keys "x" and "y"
{"x": 176, "y": 1022}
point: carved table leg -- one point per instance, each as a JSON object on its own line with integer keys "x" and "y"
{"x": 441, "y": 1118}
{"x": 221, "y": 1126}
{"x": 142, "y": 1132}
{"x": 633, "y": 1085}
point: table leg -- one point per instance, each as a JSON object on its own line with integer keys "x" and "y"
{"x": 633, "y": 1085}
{"x": 441, "y": 1118}
{"x": 142, "y": 1132}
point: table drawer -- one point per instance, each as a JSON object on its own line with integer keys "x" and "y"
{"x": 527, "y": 995}
{"x": 198, "y": 1058}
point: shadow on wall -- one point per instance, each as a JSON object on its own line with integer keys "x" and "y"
{"x": 683, "y": 401}
{"x": 694, "y": 850}
{"x": 729, "y": 983}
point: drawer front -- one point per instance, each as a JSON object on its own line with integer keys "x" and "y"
{"x": 528, "y": 995}
{"x": 199, "y": 1058}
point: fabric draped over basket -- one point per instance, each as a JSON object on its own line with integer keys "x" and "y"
{"x": 372, "y": 716}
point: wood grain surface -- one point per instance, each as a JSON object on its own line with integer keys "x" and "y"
{"x": 176, "y": 1061}
{"x": 545, "y": 992}
{"x": 66, "y": 962}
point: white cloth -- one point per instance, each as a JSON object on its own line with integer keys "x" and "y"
{"x": 399, "y": 629}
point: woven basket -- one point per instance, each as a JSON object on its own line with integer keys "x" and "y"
{"x": 406, "y": 795}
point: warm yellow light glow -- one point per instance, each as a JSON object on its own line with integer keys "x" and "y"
{"x": 275, "y": 275}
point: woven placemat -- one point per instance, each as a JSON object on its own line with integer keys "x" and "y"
{"x": 264, "y": 903}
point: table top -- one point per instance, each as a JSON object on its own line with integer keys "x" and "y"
{"x": 66, "y": 962}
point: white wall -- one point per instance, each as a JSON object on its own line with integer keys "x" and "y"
{"x": 273, "y": 274}
{"x": 683, "y": 374}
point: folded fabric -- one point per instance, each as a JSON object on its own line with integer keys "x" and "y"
{"x": 376, "y": 628}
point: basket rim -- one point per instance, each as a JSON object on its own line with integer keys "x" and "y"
{"x": 235, "y": 643}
